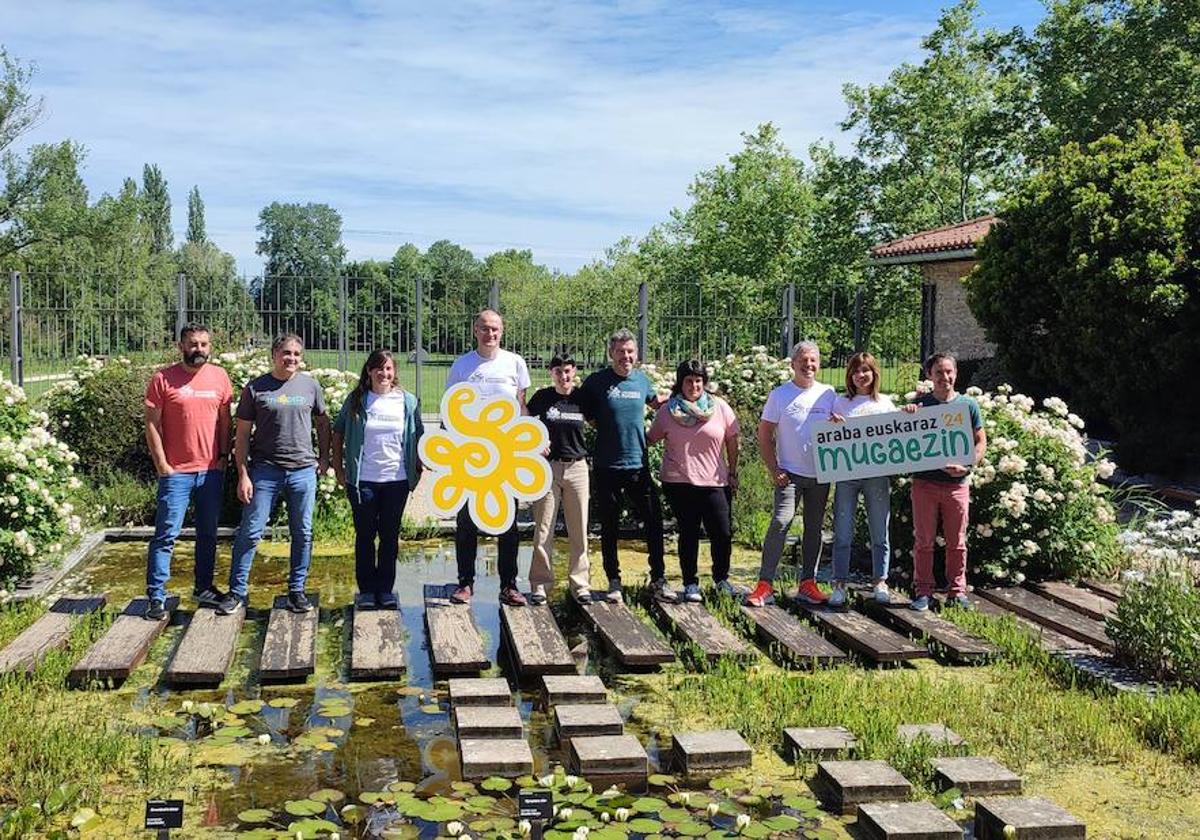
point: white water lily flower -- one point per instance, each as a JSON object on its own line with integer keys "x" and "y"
{"x": 186, "y": 705}
{"x": 605, "y": 816}
{"x": 580, "y": 833}
{"x": 622, "y": 815}
{"x": 712, "y": 809}
{"x": 454, "y": 828}
{"x": 546, "y": 781}
{"x": 264, "y": 739}
{"x": 565, "y": 814}
{"x": 743, "y": 820}
{"x": 572, "y": 781}
{"x": 525, "y": 828}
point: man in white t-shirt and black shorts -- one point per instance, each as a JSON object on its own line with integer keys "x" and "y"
{"x": 491, "y": 371}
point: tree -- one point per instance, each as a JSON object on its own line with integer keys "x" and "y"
{"x": 1090, "y": 287}
{"x": 298, "y": 291}
{"x": 196, "y": 233}
{"x": 943, "y": 138}
{"x": 156, "y": 208}
{"x": 19, "y": 109}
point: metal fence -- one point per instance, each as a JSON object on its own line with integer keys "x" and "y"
{"x": 50, "y": 319}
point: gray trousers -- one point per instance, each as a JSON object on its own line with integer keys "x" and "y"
{"x": 813, "y": 497}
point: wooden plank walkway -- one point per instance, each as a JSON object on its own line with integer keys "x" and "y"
{"x": 693, "y": 623}
{"x": 123, "y": 647}
{"x": 869, "y": 638}
{"x": 455, "y": 646}
{"x": 536, "y": 643}
{"x": 289, "y": 650}
{"x": 206, "y": 649}
{"x": 1051, "y": 641}
{"x": 631, "y": 641}
{"x": 959, "y": 645}
{"x": 1110, "y": 589}
{"x": 377, "y": 645}
{"x": 1091, "y": 604}
{"x": 803, "y": 647}
{"x": 50, "y": 632}
{"x": 1049, "y": 614}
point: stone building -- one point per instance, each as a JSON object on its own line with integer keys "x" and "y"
{"x": 945, "y": 256}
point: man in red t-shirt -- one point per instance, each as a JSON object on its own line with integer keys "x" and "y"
{"x": 187, "y": 429}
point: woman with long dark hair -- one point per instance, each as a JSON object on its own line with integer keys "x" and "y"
{"x": 699, "y": 473}
{"x": 375, "y": 457}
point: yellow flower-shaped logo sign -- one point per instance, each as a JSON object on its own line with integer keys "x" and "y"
{"x": 487, "y": 456}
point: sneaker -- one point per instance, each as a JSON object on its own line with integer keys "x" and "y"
{"x": 881, "y": 593}
{"x": 963, "y": 602}
{"x": 810, "y": 593}
{"x": 583, "y": 596}
{"x": 387, "y": 601}
{"x": 298, "y": 602}
{"x": 614, "y": 595}
{"x": 762, "y": 595}
{"x": 920, "y": 604}
{"x": 733, "y": 590}
{"x": 691, "y": 594}
{"x": 157, "y": 610}
{"x": 538, "y": 596}
{"x": 837, "y": 598}
{"x": 512, "y": 597}
{"x": 230, "y": 604}
{"x": 662, "y": 591}
{"x": 209, "y": 597}
{"x": 463, "y": 594}
{"x": 364, "y": 601}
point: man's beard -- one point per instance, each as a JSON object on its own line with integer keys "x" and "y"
{"x": 196, "y": 359}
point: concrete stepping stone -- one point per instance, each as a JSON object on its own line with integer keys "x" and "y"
{"x": 938, "y": 734}
{"x": 123, "y": 647}
{"x": 818, "y": 742}
{"x": 610, "y": 759}
{"x": 976, "y": 775}
{"x": 480, "y": 691}
{"x": 377, "y": 645}
{"x": 703, "y": 752}
{"x": 578, "y": 720}
{"x": 845, "y": 785}
{"x": 573, "y": 689}
{"x": 483, "y": 757}
{"x": 1030, "y": 817}
{"x": 488, "y": 722}
{"x": 906, "y": 821}
{"x": 289, "y": 650}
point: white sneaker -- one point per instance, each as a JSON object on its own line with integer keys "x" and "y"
{"x": 837, "y": 598}
{"x": 661, "y": 590}
{"x": 882, "y": 594}
{"x": 614, "y": 595}
{"x": 538, "y": 595}
{"x": 691, "y": 593}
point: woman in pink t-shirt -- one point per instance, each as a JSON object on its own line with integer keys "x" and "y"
{"x": 699, "y": 472}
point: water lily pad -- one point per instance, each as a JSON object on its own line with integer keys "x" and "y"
{"x": 255, "y": 816}
{"x": 60, "y": 798}
{"x": 648, "y": 805}
{"x": 750, "y": 799}
{"x": 481, "y": 801}
{"x": 230, "y": 733}
{"x": 282, "y": 702}
{"x": 260, "y": 834}
{"x": 364, "y": 722}
{"x": 402, "y": 787}
{"x": 608, "y": 832}
{"x": 799, "y": 803}
{"x": 495, "y": 783}
{"x": 167, "y": 722}
{"x": 328, "y": 731}
{"x": 351, "y": 814}
{"x": 480, "y": 825}
{"x": 756, "y": 830}
{"x": 309, "y": 739}
{"x": 82, "y": 817}
{"x": 691, "y": 828}
{"x": 247, "y": 707}
{"x": 327, "y": 746}
{"x": 644, "y": 825}
{"x": 304, "y": 807}
{"x": 660, "y": 779}
{"x": 674, "y": 815}
{"x": 723, "y": 783}
{"x": 782, "y": 822}
{"x": 311, "y": 829}
{"x": 431, "y": 709}
{"x": 330, "y": 795}
{"x": 218, "y": 754}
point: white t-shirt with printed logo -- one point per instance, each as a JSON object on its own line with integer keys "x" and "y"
{"x": 861, "y": 406}
{"x": 794, "y": 410}
{"x": 505, "y": 373}
{"x": 383, "y": 438}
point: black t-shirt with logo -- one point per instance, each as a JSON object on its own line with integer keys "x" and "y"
{"x": 564, "y": 419}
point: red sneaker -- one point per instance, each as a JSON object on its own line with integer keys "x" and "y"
{"x": 762, "y": 595}
{"x": 512, "y": 597}
{"x": 462, "y": 595}
{"x": 810, "y": 593}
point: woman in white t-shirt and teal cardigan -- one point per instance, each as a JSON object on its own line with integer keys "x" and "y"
{"x": 375, "y": 457}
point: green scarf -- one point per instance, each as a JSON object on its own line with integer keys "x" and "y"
{"x": 690, "y": 413}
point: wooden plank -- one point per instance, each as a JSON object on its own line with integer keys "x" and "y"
{"x": 803, "y": 646}
{"x": 1110, "y": 589}
{"x": 959, "y": 645}
{"x": 377, "y": 645}
{"x": 1049, "y": 614}
{"x": 50, "y": 632}
{"x": 455, "y": 646}
{"x": 536, "y": 643}
{"x": 123, "y": 647}
{"x": 871, "y": 639}
{"x": 1091, "y": 604}
{"x": 693, "y": 623}
{"x": 290, "y": 648}
{"x": 1051, "y": 641}
{"x": 206, "y": 649}
{"x": 631, "y": 641}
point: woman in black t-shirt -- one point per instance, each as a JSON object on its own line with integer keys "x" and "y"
{"x": 559, "y": 409}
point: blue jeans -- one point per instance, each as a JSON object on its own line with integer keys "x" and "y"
{"x": 299, "y": 488}
{"x": 378, "y": 507}
{"x": 876, "y": 493}
{"x": 175, "y": 492}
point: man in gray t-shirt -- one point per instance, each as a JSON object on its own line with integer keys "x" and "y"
{"x": 282, "y": 413}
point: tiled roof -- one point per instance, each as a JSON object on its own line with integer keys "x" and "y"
{"x": 957, "y": 237}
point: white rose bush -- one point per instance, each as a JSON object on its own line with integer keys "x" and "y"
{"x": 36, "y": 517}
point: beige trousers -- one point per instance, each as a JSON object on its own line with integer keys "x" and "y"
{"x": 569, "y": 486}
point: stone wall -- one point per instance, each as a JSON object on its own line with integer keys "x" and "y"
{"x": 955, "y": 329}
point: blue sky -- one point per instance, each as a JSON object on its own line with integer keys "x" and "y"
{"x": 555, "y": 126}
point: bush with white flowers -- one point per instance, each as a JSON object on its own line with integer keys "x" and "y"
{"x": 1172, "y": 539}
{"x": 38, "y": 473}
{"x": 745, "y": 379}
{"x": 1038, "y": 506}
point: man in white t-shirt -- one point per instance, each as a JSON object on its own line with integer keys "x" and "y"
{"x": 785, "y": 442}
{"x": 491, "y": 371}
